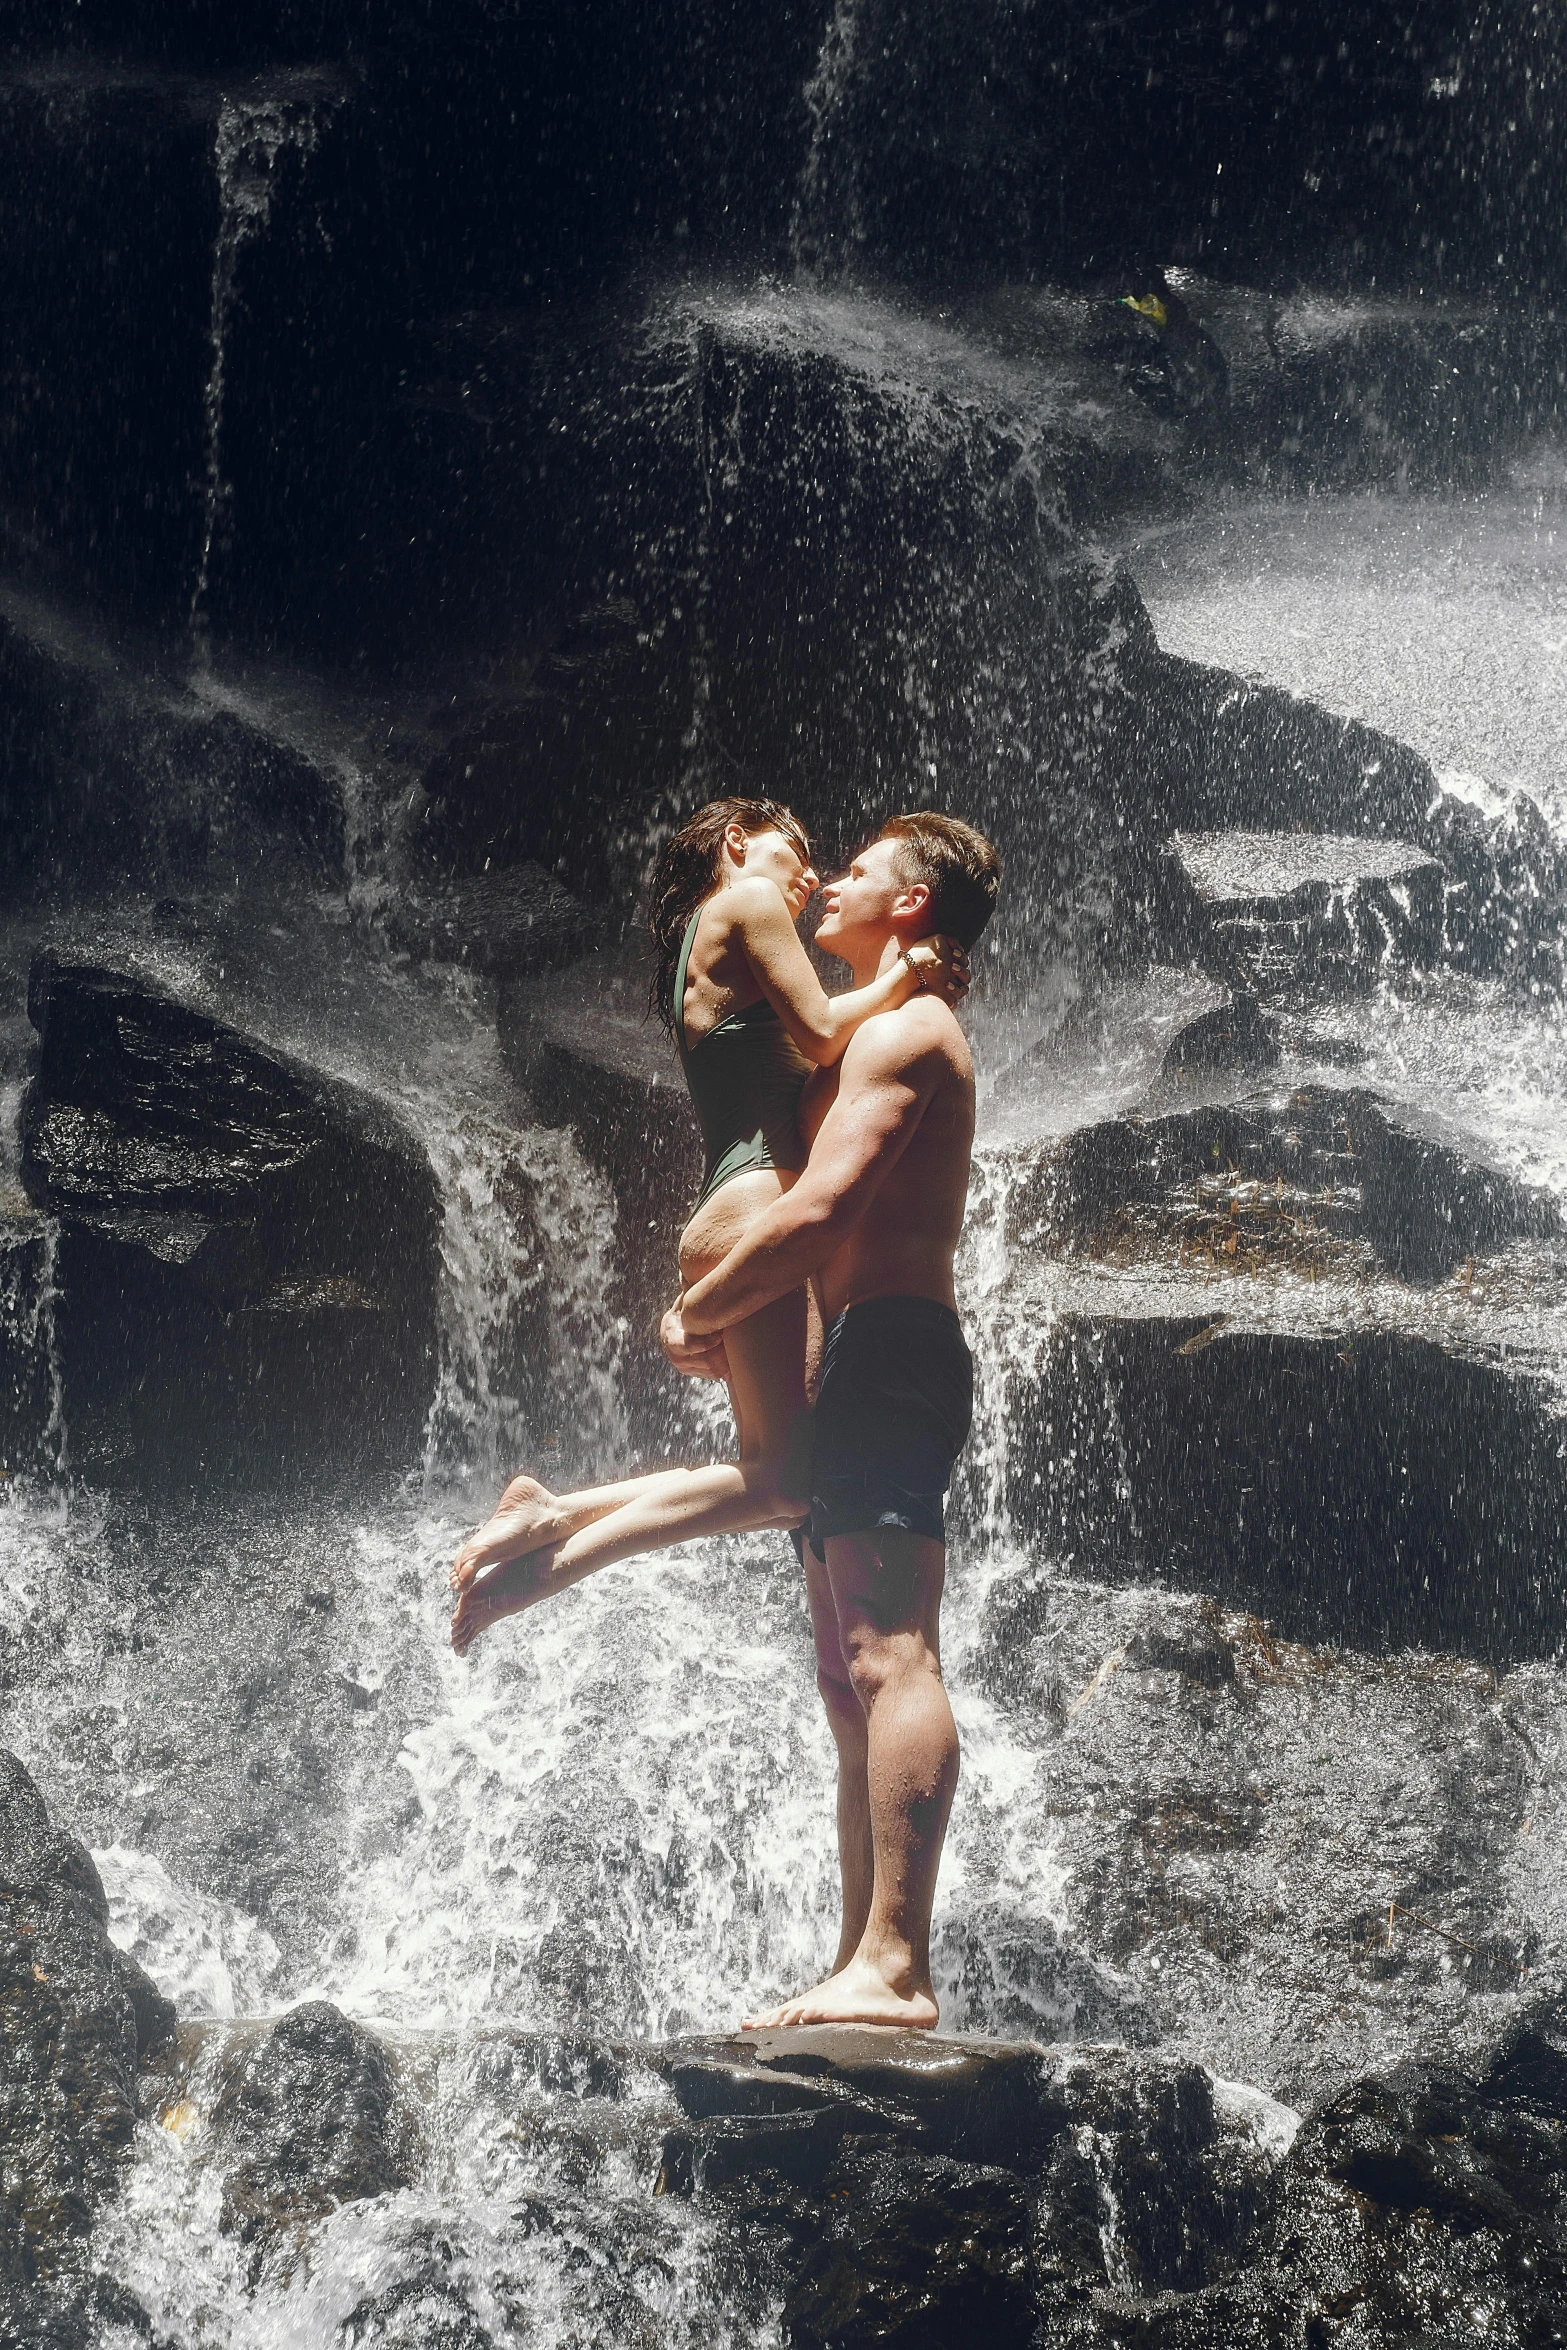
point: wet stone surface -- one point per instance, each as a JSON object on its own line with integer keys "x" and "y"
{"x": 1276, "y": 909}
{"x": 239, "y": 1234}
{"x": 78, "y": 2020}
{"x": 312, "y": 2118}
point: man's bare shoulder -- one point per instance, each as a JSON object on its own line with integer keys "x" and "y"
{"x": 920, "y": 1042}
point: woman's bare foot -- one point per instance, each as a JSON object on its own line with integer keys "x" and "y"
{"x": 522, "y": 1520}
{"x": 857, "y": 1994}
{"x": 505, "y": 1591}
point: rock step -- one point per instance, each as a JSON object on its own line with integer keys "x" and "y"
{"x": 1302, "y": 1175}
{"x": 1357, "y": 1461}
{"x": 242, "y": 1240}
{"x": 1277, "y": 908}
{"x": 1292, "y": 911}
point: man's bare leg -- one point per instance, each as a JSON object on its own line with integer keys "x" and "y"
{"x": 886, "y": 1587}
{"x": 846, "y": 1720}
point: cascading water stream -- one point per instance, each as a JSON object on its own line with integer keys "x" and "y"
{"x": 253, "y": 132}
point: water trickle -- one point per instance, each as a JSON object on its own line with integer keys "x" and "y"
{"x": 253, "y": 132}
{"x": 826, "y": 226}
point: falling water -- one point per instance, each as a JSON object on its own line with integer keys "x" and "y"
{"x": 252, "y": 133}
{"x": 826, "y": 226}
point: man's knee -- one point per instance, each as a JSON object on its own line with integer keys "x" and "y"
{"x": 875, "y": 1661}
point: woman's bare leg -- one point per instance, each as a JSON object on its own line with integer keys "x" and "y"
{"x": 529, "y": 1517}
{"x": 765, "y": 1487}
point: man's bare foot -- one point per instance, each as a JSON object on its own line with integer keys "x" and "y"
{"x": 522, "y": 1520}
{"x": 857, "y": 1994}
{"x": 505, "y": 1591}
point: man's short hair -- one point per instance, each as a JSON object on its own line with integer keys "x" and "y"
{"x": 958, "y": 865}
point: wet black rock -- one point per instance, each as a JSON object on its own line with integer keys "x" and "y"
{"x": 311, "y": 2111}
{"x": 1278, "y": 909}
{"x": 916, "y": 2252}
{"x": 1296, "y": 1175}
{"x": 78, "y": 2019}
{"x": 544, "y": 771}
{"x": 242, "y": 1240}
{"x": 1424, "y": 2204}
{"x": 513, "y": 920}
{"x": 1306, "y": 1861}
{"x": 1506, "y": 911}
{"x": 1358, "y": 1464}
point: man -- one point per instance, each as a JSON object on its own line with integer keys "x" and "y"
{"x": 874, "y": 1220}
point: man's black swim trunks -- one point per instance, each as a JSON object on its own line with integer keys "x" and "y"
{"x": 896, "y": 1400}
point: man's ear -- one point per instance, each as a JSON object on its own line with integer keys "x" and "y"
{"x": 911, "y": 902}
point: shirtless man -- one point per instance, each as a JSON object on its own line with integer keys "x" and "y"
{"x": 874, "y": 1221}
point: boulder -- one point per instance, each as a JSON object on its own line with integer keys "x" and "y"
{"x": 1358, "y": 1461}
{"x": 1506, "y": 912}
{"x": 110, "y": 764}
{"x": 916, "y": 2251}
{"x": 78, "y": 2019}
{"x": 242, "y": 1240}
{"x": 1278, "y": 909}
{"x": 309, "y": 2118}
{"x": 1229, "y": 750}
{"x": 1309, "y": 1862}
{"x": 1311, "y": 1175}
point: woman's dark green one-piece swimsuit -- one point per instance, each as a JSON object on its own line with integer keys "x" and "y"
{"x": 745, "y": 1078}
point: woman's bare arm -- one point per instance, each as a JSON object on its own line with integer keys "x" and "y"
{"x": 822, "y": 1024}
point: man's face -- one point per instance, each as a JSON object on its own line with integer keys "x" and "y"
{"x": 868, "y": 903}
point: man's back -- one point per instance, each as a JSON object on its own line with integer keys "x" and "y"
{"x": 903, "y": 1106}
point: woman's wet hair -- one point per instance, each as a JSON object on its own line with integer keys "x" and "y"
{"x": 687, "y": 871}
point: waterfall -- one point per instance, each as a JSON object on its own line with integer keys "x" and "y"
{"x": 252, "y": 133}
{"x": 826, "y": 226}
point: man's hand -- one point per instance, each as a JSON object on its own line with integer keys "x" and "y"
{"x": 695, "y": 1358}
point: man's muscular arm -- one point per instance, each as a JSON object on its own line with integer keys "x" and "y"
{"x": 889, "y": 1073}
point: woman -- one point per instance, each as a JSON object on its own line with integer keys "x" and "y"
{"x": 750, "y": 1019}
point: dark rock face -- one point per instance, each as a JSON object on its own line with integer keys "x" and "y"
{"x": 78, "y": 2018}
{"x": 1506, "y": 907}
{"x": 1298, "y": 1173}
{"x": 242, "y": 1240}
{"x": 917, "y": 2251}
{"x": 1136, "y": 2207}
{"x": 514, "y": 920}
{"x": 1229, "y": 748}
{"x": 1273, "y": 909}
{"x": 311, "y": 2111}
{"x": 1300, "y": 1858}
{"x": 103, "y": 771}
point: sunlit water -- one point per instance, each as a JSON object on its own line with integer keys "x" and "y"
{"x": 1443, "y": 621}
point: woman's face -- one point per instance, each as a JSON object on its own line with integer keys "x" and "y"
{"x": 777, "y": 858}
